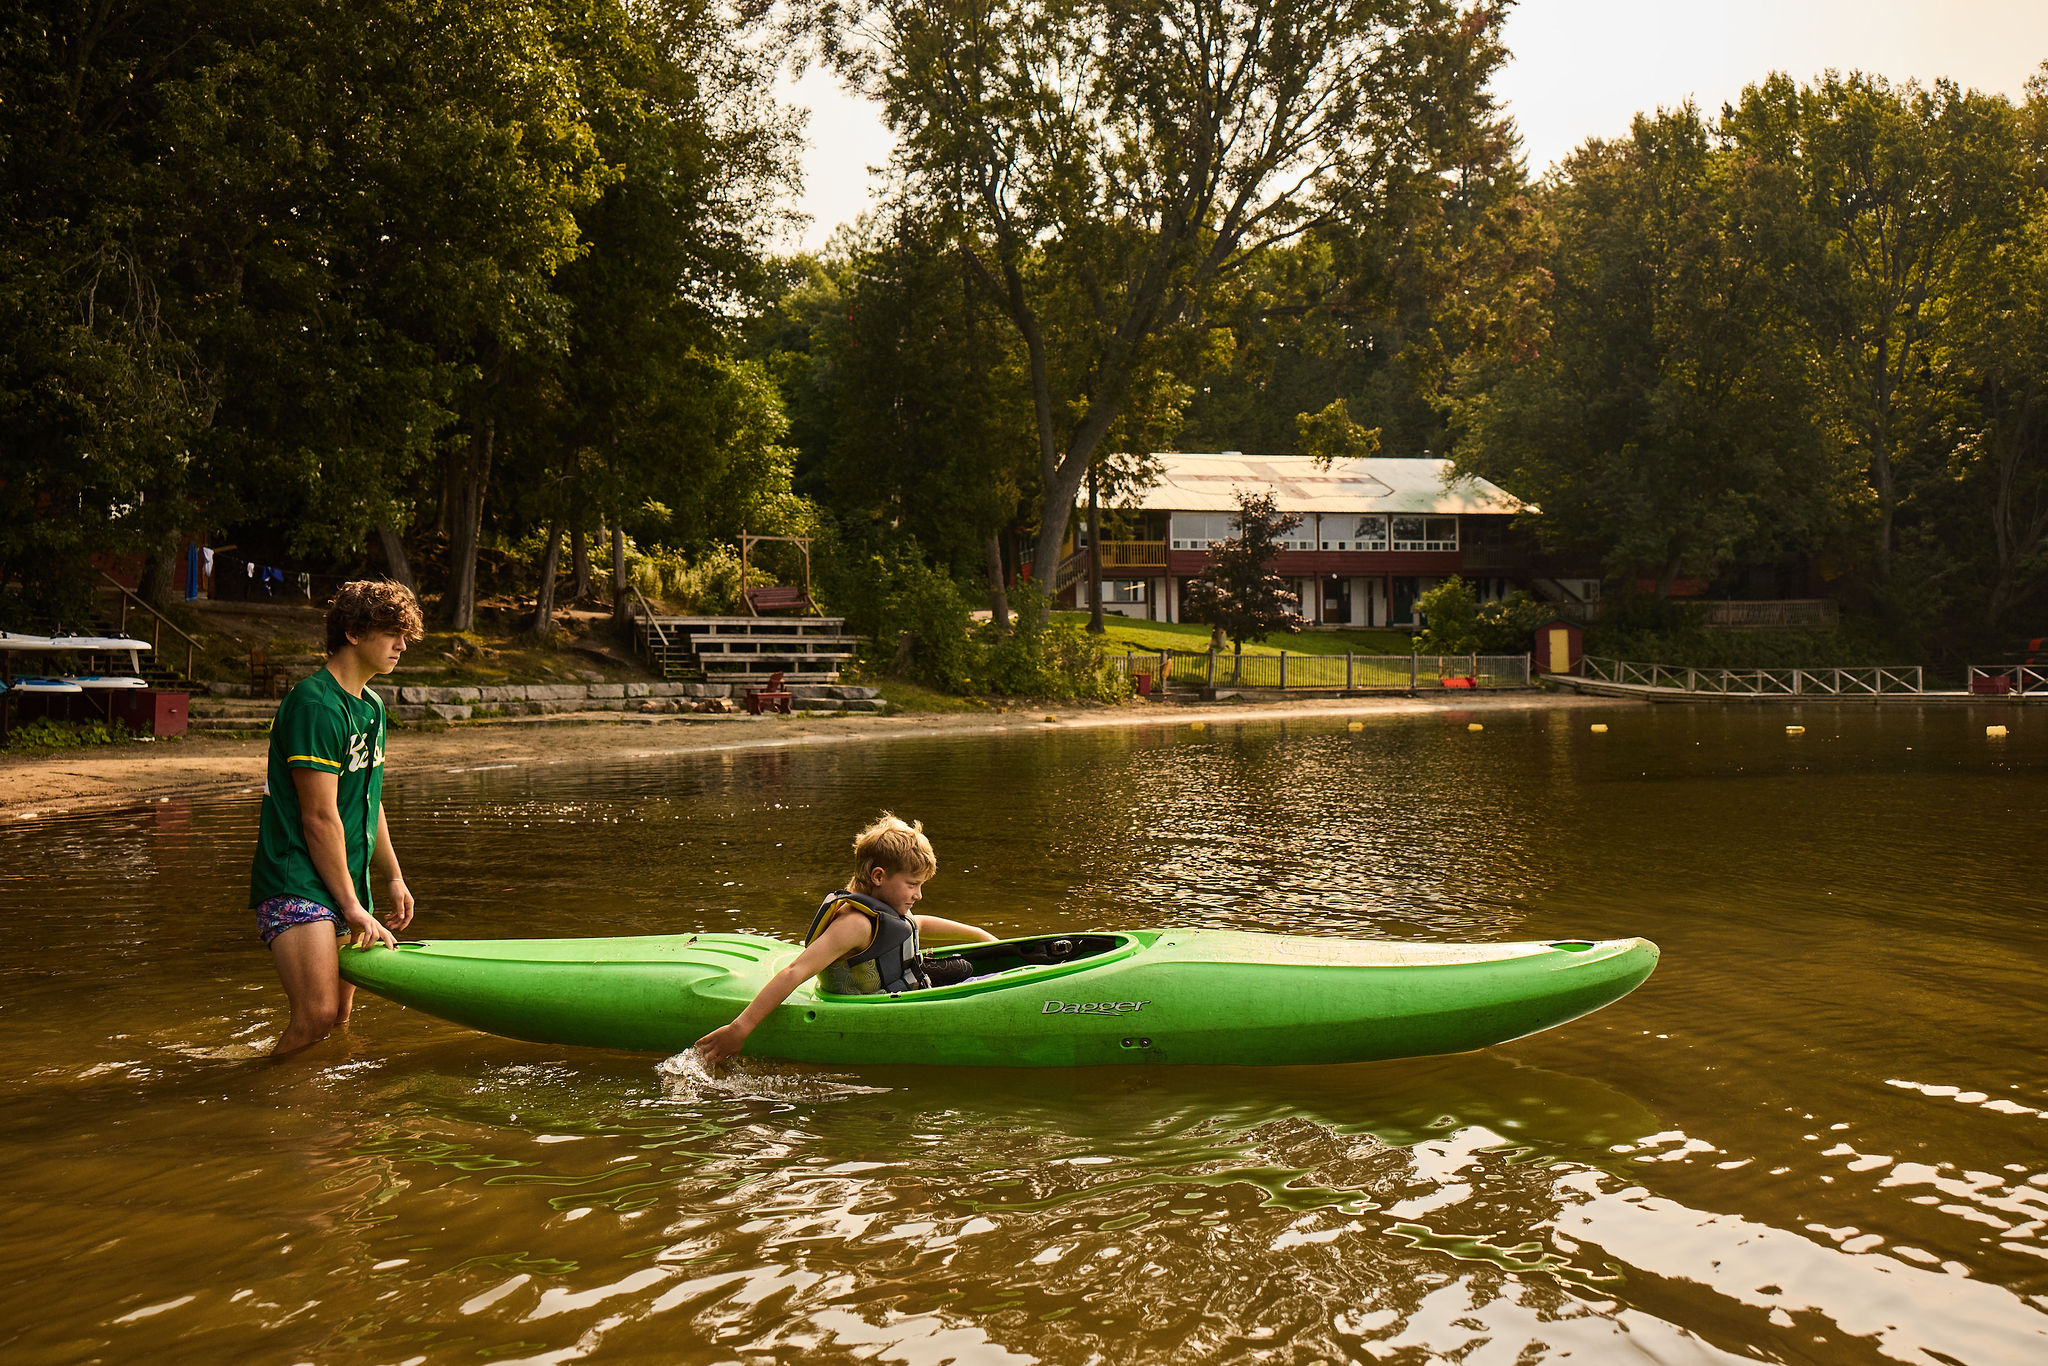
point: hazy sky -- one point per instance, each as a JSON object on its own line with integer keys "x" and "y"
{"x": 1582, "y": 68}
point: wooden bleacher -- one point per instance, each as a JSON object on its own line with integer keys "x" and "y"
{"x": 744, "y": 649}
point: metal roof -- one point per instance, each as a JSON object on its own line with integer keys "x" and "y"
{"x": 1191, "y": 482}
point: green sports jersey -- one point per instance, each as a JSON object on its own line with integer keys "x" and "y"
{"x": 321, "y": 727}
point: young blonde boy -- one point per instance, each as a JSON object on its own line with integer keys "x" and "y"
{"x": 864, "y": 939}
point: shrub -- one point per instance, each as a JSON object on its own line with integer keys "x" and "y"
{"x": 706, "y": 585}
{"x": 45, "y": 734}
{"x": 1041, "y": 658}
{"x": 1460, "y": 625}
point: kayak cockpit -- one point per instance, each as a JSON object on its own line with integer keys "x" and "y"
{"x": 1046, "y": 951}
{"x": 1016, "y": 962}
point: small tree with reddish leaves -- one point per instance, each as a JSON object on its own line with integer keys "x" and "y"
{"x": 1239, "y": 595}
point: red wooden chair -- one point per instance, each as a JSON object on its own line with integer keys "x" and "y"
{"x": 771, "y": 698}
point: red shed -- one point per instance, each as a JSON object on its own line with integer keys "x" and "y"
{"x": 1559, "y": 646}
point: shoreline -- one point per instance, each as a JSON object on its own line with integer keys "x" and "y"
{"x": 224, "y": 764}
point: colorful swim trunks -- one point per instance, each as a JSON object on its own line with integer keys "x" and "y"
{"x": 280, "y": 913}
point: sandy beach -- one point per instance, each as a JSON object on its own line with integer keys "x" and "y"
{"x": 213, "y": 762}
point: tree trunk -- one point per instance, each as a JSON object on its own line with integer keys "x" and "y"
{"x": 618, "y": 575}
{"x": 396, "y": 563}
{"x": 1095, "y": 626}
{"x": 1666, "y": 577}
{"x": 998, "y": 593}
{"x": 579, "y": 564}
{"x": 579, "y": 543}
{"x": 542, "y": 627}
{"x": 458, "y": 603}
{"x": 444, "y": 507}
{"x": 158, "y": 585}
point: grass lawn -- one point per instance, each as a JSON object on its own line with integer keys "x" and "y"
{"x": 1127, "y": 634}
{"x": 904, "y": 695}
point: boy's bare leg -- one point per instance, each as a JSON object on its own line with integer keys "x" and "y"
{"x": 346, "y": 1001}
{"x": 309, "y": 964}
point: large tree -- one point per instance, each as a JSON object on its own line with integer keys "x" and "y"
{"x": 1668, "y": 418}
{"x": 1104, "y": 164}
{"x": 1913, "y": 189}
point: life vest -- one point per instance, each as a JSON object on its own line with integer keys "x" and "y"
{"x": 890, "y": 963}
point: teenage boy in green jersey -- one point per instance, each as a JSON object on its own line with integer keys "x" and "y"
{"x": 323, "y": 843}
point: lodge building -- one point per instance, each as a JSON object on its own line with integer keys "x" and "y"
{"x": 1375, "y": 534}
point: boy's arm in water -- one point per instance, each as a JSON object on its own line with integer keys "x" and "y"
{"x": 384, "y": 866}
{"x": 937, "y": 927}
{"x": 321, "y": 820}
{"x": 845, "y": 935}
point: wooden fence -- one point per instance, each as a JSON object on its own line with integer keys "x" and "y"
{"x": 1327, "y": 673}
{"x": 1867, "y": 681}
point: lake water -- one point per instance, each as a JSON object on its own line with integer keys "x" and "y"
{"x": 1817, "y": 1134}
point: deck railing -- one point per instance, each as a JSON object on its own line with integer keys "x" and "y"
{"x": 2009, "y": 680}
{"x": 1327, "y": 673}
{"x": 1873, "y": 680}
{"x": 158, "y": 624}
{"x": 1133, "y": 555}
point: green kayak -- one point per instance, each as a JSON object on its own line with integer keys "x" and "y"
{"x": 1141, "y": 996}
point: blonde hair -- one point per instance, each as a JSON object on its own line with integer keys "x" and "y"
{"x": 894, "y": 846}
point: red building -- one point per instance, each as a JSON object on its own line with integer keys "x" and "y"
{"x": 1374, "y": 535}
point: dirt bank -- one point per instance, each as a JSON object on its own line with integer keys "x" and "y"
{"x": 212, "y": 762}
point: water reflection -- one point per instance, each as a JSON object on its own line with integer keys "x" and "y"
{"x": 1815, "y": 1135}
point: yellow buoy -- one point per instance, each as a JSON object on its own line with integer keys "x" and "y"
{"x": 1474, "y": 725}
{"x": 1198, "y": 725}
{"x": 1052, "y": 718}
{"x": 1994, "y": 732}
{"x": 1795, "y": 730}
{"x": 1356, "y": 725}
{"x": 1599, "y": 727}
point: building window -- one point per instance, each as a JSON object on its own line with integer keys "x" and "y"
{"x": 1303, "y": 537}
{"x": 1198, "y": 530}
{"x": 1361, "y": 533}
{"x": 1425, "y": 533}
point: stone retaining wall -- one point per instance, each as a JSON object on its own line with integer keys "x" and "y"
{"x": 407, "y": 702}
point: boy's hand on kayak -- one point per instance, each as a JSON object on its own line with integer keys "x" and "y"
{"x": 398, "y": 897}
{"x": 365, "y": 931}
{"x": 720, "y": 1044}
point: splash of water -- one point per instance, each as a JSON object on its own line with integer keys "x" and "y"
{"x": 685, "y": 1077}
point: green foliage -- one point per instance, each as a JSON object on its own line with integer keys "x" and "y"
{"x": 920, "y": 626}
{"x": 304, "y": 270}
{"x": 1238, "y": 593}
{"x": 1671, "y": 422}
{"x": 1459, "y": 624}
{"x": 905, "y": 389}
{"x": 1103, "y": 170}
{"x": 43, "y": 735}
{"x": 1331, "y": 435}
{"x": 1648, "y": 629}
{"x": 1042, "y": 657}
{"x": 705, "y": 584}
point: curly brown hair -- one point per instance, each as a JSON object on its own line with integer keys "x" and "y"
{"x": 372, "y": 605}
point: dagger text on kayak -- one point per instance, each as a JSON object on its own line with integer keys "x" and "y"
{"x": 1092, "y": 1007}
